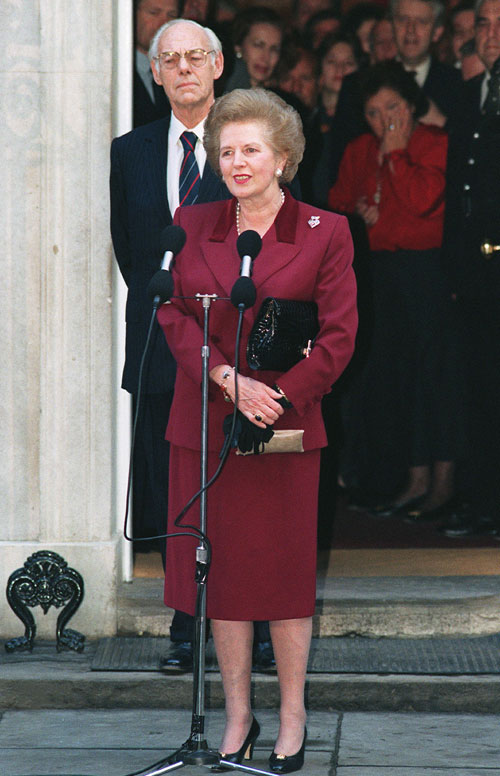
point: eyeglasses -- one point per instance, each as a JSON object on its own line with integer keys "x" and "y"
{"x": 195, "y": 57}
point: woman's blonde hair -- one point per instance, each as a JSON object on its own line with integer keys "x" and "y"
{"x": 281, "y": 122}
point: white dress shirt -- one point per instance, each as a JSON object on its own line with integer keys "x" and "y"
{"x": 484, "y": 87}
{"x": 421, "y": 71}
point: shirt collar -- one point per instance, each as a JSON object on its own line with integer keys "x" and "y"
{"x": 177, "y": 128}
{"x": 484, "y": 86}
{"x": 421, "y": 71}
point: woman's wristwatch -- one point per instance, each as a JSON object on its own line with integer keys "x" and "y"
{"x": 223, "y": 386}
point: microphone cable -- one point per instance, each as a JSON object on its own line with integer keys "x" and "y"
{"x": 227, "y": 442}
{"x": 132, "y": 447}
{"x": 199, "y": 534}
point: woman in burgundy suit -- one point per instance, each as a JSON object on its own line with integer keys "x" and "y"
{"x": 262, "y": 509}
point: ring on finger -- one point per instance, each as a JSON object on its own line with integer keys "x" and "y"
{"x": 258, "y": 418}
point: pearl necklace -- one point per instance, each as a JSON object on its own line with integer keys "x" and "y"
{"x": 282, "y": 195}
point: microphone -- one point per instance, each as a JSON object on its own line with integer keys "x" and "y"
{"x": 248, "y": 246}
{"x": 161, "y": 285}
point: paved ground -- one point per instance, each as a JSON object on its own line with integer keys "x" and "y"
{"x": 115, "y": 743}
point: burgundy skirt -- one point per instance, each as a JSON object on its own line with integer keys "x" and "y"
{"x": 261, "y": 522}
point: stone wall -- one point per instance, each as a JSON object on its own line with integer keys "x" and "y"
{"x": 56, "y": 384}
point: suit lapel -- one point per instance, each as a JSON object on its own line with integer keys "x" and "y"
{"x": 212, "y": 189}
{"x": 156, "y": 158}
{"x": 431, "y": 76}
{"x": 219, "y": 250}
{"x": 279, "y": 245}
{"x": 474, "y": 85}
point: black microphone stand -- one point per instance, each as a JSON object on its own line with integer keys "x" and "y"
{"x": 195, "y": 751}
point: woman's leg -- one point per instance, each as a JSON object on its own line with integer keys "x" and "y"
{"x": 442, "y": 488}
{"x": 291, "y": 642}
{"x": 233, "y": 645}
{"x": 418, "y": 483}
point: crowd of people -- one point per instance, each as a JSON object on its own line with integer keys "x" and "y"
{"x": 388, "y": 115}
{"x": 319, "y": 55}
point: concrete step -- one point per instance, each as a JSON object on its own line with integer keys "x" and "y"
{"x": 368, "y": 607}
{"x": 365, "y": 606}
{"x": 48, "y": 680}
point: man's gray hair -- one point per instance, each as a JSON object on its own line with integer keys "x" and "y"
{"x": 477, "y": 7}
{"x": 437, "y": 6}
{"x": 214, "y": 41}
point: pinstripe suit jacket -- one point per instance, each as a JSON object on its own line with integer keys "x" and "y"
{"x": 139, "y": 213}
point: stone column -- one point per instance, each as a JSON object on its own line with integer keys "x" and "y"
{"x": 55, "y": 300}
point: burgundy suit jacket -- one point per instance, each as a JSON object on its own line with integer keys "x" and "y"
{"x": 297, "y": 261}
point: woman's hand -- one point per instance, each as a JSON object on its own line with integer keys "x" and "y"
{"x": 369, "y": 213}
{"x": 254, "y": 398}
{"x": 397, "y": 129}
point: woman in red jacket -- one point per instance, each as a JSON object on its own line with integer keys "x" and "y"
{"x": 394, "y": 179}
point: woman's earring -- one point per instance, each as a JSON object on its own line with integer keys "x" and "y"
{"x": 279, "y": 172}
{"x": 238, "y": 55}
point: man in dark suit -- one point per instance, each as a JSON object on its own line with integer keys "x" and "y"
{"x": 417, "y": 24}
{"x": 150, "y": 101}
{"x": 471, "y": 251}
{"x": 145, "y": 170}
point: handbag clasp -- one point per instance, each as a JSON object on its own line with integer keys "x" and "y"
{"x": 307, "y": 350}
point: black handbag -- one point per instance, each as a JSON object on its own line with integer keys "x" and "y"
{"x": 283, "y": 333}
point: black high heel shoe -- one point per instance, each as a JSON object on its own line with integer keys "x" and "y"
{"x": 396, "y": 507}
{"x": 416, "y": 516}
{"x": 245, "y": 752}
{"x": 281, "y": 763}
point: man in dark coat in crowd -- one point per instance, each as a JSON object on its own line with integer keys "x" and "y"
{"x": 471, "y": 251}
{"x": 150, "y": 101}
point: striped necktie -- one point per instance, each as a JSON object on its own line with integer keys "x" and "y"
{"x": 189, "y": 177}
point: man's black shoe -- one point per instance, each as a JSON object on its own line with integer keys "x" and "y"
{"x": 179, "y": 659}
{"x": 461, "y": 522}
{"x": 470, "y": 521}
{"x": 263, "y": 658}
{"x": 487, "y": 525}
